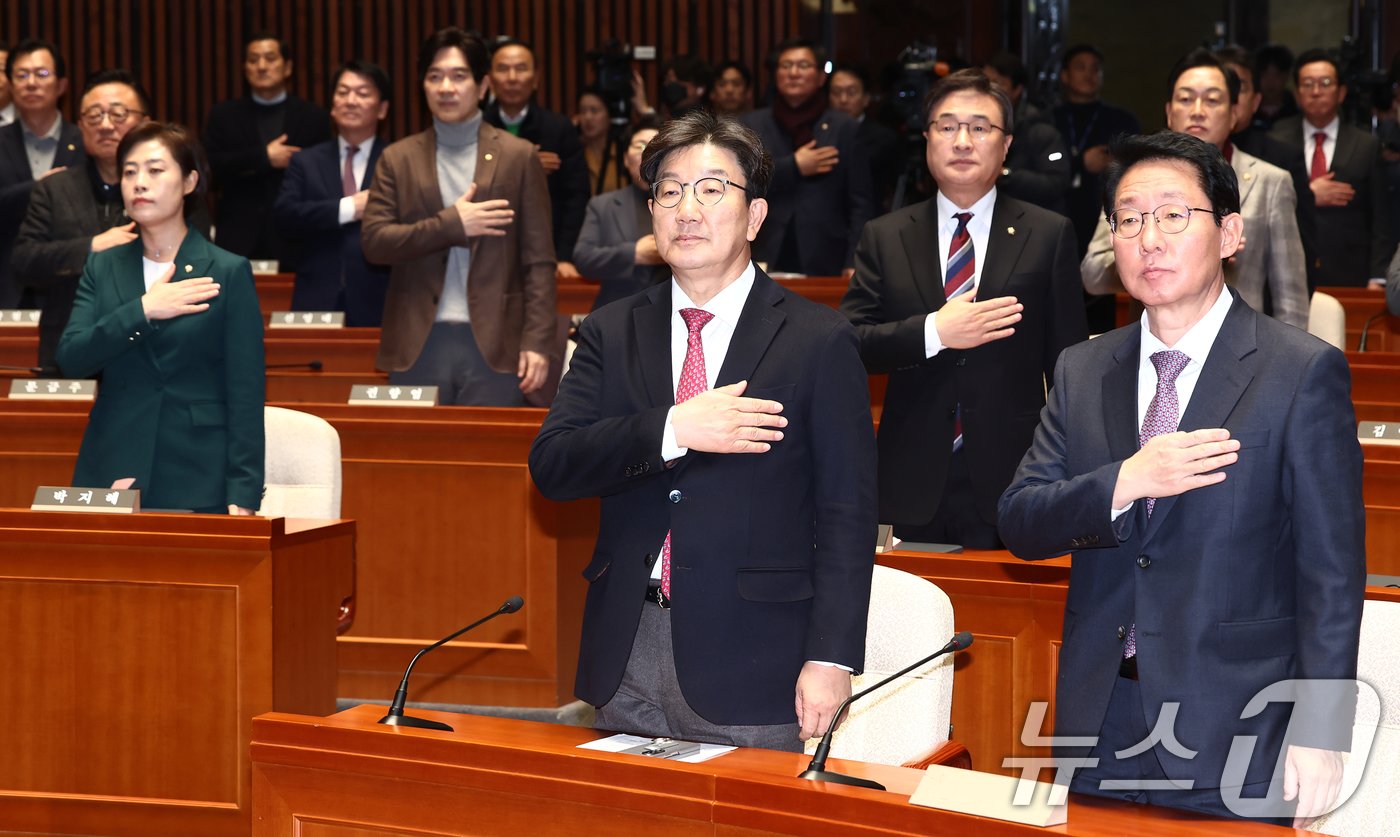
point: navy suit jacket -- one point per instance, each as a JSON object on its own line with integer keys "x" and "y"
{"x": 569, "y": 190}
{"x": 332, "y": 272}
{"x": 1232, "y": 587}
{"x": 773, "y": 552}
{"x": 16, "y": 184}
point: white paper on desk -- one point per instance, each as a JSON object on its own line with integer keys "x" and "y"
{"x": 618, "y": 743}
{"x": 991, "y": 795}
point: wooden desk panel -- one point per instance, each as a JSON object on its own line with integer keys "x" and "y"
{"x": 1361, "y": 304}
{"x": 138, "y": 650}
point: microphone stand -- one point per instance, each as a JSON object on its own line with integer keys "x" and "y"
{"x": 1366, "y": 329}
{"x": 816, "y": 771}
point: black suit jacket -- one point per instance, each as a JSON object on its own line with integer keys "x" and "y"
{"x": 1000, "y": 385}
{"x": 772, "y": 552}
{"x": 247, "y": 183}
{"x": 16, "y": 184}
{"x": 607, "y": 247}
{"x": 827, "y": 211}
{"x": 1353, "y": 241}
{"x": 1038, "y": 162}
{"x": 885, "y": 152}
{"x": 332, "y": 273}
{"x": 1232, "y": 587}
{"x": 569, "y": 191}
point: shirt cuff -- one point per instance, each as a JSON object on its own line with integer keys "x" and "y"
{"x": 669, "y": 449}
{"x": 847, "y": 669}
{"x": 1114, "y": 514}
{"x": 347, "y": 209}
{"x": 933, "y": 344}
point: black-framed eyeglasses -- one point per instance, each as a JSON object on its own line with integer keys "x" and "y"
{"x": 116, "y": 113}
{"x": 947, "y": 127}
{"x": 707, "y": 190}
{"x": 1171, "y": 218}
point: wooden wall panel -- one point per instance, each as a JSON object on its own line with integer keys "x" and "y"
{"x": 188, "y": 53}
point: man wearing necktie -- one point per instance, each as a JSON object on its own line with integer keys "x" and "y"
{"x": 323, "y": 198}
{"x": 965, "y": 301}
{"x": 1202, "y": 465}
{"x": 725, "y": 424}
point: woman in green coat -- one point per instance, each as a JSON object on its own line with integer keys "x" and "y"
{"x": 172, "y": 324}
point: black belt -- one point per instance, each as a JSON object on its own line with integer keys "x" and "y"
{"x": 1128, "y": 668}
{"x": 656, "y": 597}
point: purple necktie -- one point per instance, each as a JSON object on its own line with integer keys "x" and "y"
{"x": 692, "y": 383}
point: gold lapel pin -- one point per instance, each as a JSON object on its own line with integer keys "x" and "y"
{"x": 824, "y": 126}
{"x": 189, "y": 268}
{"x": 71, "y": 147}
{"x": 1248, "y": 176}
{"x": 488, "y": 158}
{"x": 1010, "y": 230}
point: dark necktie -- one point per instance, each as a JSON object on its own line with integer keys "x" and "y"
{"x": 348, "y": 186}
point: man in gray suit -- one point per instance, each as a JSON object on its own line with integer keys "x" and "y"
{"x": 616, "y": 246}
{"x": 1269, "y": 271}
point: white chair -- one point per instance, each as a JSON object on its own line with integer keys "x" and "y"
{"x": 302, "y": 465}
{"x": 1327, "y": 320}
{"x": 1371, "y": 784}
{"x": 907, "y": 720}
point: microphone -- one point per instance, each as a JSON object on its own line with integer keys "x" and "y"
{"x": 817, "y": 772}
{"x": 33, "y": 370}
{"x": 1366, "y": 329}
{"x": 396, "y": 718}
{"x": 313, "y": 365}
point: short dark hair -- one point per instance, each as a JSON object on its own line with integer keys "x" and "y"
{"x": 738, "y": 67}
{"x": 690, "y": 68}
{"x": 30, "y": 45}
{"x": 369, "y": 70}
{"x": 117, "y": 76}
{"x": 700, "y": 127}
{"x": 1312, "y": 56}
{"x": 284, "y": 49}
{"x": 1216, "y": 177}
{"x": 1078, "y": 50}
{"x": 183, "y": 148}
{"x": 591, "y": 90}
{"x": 1277, "y": 56}
{"x": 472, "y": 46}
{"x": 974, "y": 81}
{"x": 504, "y": 41}
{"x": 797, "y": 43}
{"x": 1010, "y": 65}
{"x": 862, "y": 75}
{"x": 1202, "y": 57}
{"x": 645, "y": 122}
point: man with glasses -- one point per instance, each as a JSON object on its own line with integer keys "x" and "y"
{"x": 822, "y": 195}
{"x": 725, "y": 424}
{"x": 965, "y": 301}
{"x": 1202, "y": 465}
{"x": 1346, "y": 176}
{"x": 35, "y": 146}
{"x": 1268, "y": 270}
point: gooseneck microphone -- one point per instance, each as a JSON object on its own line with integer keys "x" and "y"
{"x": 1366, "y": 329}
{"x": 33, "y": 370}
{"x": 313, "y": 365}
{"x": 396, "y": 718}
{"x": 816, "y": 770}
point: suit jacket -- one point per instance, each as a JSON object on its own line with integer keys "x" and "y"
{"x": 1259, "y": 143}
{"x": 1353, "y": 241}
{"x": 16, "y": 185}
{"x": 1233, "y": 586}
{"x": 886, "y": 153}
{"x": 569, "y": 190}
{"x": 773, "y": 552}
{"x": 827, "y": 211}
{"x": 407, "y": 225}
{"x": 607, "y": 247}
{"x": 332, "y": 272}
{"x": 1000, "y": 385}
{"x": 1271, "y": 268}
{"x": 1038, "y": 163}
{"x": 247, "y": 183}
{"x": 180, "y": 405}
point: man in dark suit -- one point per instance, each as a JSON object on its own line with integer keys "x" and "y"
{"x": 1037, "y": 168}
{"x": 965, "y": 300}
{"x": 725, "y": 423}
{"x": 323, "y": 198}
{"x": 1346, "y": 177}
{"x": 1203, "y": 466}
{"x": 250, "y": 141}
{"x": 37, "y": 145}
{"x": 821, "y": 195}
{"x": 881, "y": 145}
{"x": 617, "y": 246}
{"x": 513, "y": 81}
{"x": 461, "y": 213}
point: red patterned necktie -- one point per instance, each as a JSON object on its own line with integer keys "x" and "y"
{"x": 692, "y": 383}
{"x": 1163, "y": 416}
{"x": 962, "y": 266}
{"x": 348, "y": 186}
{"x": 1319, "y": 158}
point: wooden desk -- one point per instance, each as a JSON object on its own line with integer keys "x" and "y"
{"x": 349, "y": 775}
{"x": 1361, "y": 304}
{"x": 274, "y": 291}
{"x": 138, "y": 648}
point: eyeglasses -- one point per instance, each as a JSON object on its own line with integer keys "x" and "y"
{"x": 707, "y": 190}
{"x": 42, "y": 74}
{"x": 1171, "y": 218}
{"x": 804, "y": 66}
{"x": 118, "y": 114}
{"x": 947, "y": 127}
{"x": 1317, "y": 84}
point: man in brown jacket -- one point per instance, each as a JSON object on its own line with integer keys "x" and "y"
{"x": 461, "y": 213}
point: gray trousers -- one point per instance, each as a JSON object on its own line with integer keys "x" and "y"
{"x": 452, "y": 362}
{"x": 649, "y": 701}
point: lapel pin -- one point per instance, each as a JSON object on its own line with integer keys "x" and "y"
{"x": 71, "y": 147}
{"x": 1010, "y": 230}
{"x": 824, "y": 126}
{"x": 488, "y": 158}
{"x": 189, "y": 268}
{"x": 1248, "y": 176}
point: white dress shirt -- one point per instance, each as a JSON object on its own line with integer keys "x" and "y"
{"x": 1329, "y": 145}
{"x": 7, "y": 114}
{"x": 359, "y": 166}
{"x": 980, "y": 229}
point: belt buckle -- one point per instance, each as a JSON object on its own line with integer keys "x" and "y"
{"x": 655, "y": 595}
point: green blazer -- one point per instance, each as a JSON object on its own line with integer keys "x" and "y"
{"x": 180, "y": 403}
